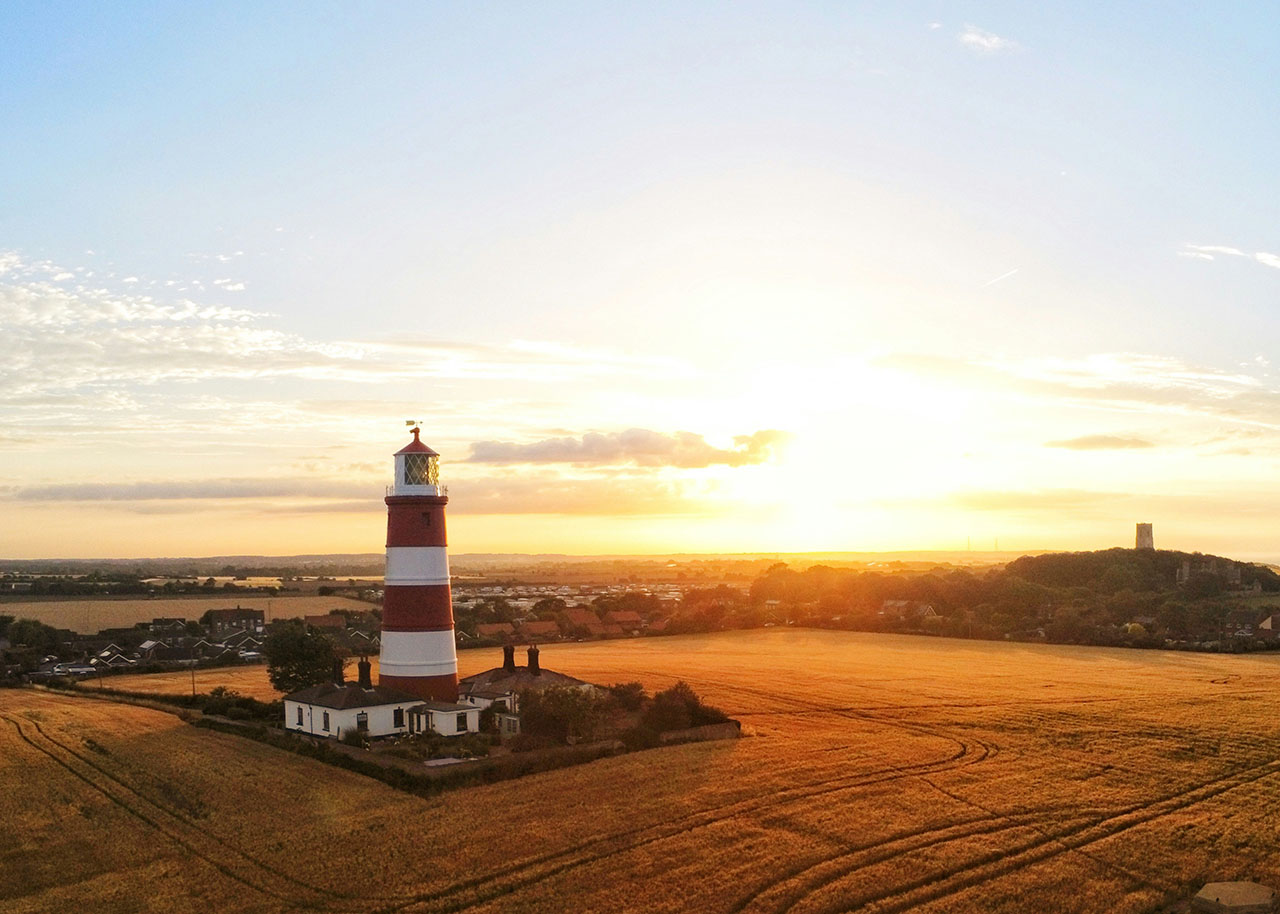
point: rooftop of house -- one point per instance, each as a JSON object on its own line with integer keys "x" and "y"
{"x": 502, "y": 680}
{"x": 350, "y": 695}
{"x": 444, "y": 706}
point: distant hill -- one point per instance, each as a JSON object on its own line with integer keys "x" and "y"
{"x": 1112, "y": 570}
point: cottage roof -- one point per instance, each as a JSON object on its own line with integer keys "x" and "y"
{"x": 441, "y": 706}
{"x": 503, "y": 680}
{"x": 351, "y": 695}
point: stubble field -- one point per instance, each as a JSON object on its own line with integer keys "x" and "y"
{"x": 883, "y": 774}
{"x": 88, "y": 616}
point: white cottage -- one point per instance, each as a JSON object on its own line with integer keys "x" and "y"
{"x": 335, "y": 708}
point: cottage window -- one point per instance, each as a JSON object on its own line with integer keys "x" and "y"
{"x": 325, "y": 724}
{"x": 299, "y": 715}
{"x": 362, "y": 722}
{"x": 397, "y": 717}
{"x": 462, "y": 722}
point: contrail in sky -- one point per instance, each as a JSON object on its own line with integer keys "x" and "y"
{"x": 998, "y": 278}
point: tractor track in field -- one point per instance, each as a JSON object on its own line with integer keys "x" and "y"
{"x": 480, "y": 889}
{"x": 530, "y": 872}
{"x": 522, "y": 874}
{"x": 985, "y": 867}
{"x": 229, "y": 860}
{"x": 798, "y": 883}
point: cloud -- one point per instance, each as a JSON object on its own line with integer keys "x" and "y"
{"x": 639, "y": 446}
{"x": 596, "y": 496}
{"x": 984, "y": 42}
{"x": 602, "y": 497}
{"x": 1100, "y": 443}
{"x": 194, "y": 489}
{"x": 71, "y": 339}
{"x": 1116, "y": 382}
{"x": 1211, "y": 251}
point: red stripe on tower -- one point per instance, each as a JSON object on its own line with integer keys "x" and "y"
{"x": 418, "y": 654}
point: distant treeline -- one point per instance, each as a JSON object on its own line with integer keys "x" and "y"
{"x": 1114, "y": 596}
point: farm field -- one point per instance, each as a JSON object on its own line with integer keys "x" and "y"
{"x": 89, "y": 616}
{"x": 882, "y": 774}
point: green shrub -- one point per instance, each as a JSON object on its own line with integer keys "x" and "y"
{"x": 629, "y": 695}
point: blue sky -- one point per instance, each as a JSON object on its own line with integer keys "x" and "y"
{"x": 971, "y": 230}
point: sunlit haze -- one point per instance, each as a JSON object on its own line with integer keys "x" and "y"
{"x": 653, "y": 278}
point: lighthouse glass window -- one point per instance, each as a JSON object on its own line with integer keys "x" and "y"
{"x": 421, "y": 470}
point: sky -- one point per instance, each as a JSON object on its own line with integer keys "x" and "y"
{"x": 662, "y": 277}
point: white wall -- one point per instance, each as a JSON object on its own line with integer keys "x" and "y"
{"x": 381, "y": 719}
{"x": 446, "y": 722}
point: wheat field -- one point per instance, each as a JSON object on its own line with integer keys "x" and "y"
{"x": 880, "y": 774}
{"x": 89, "y": 616}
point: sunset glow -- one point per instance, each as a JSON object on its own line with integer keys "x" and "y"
{"x": 728, "y": 279}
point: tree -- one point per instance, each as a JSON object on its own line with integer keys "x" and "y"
{"x": 297, "y": 657}
{"x": 678, "y": 708}
{"x": 560, "y": 713}
{"x": 629, "y": 695}
{"x": 35, "y": 635}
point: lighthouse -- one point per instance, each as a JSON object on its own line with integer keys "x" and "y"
{"x": 418, "y": 654}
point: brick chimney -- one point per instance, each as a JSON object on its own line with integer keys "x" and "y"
{"x": 509, "y": 658}
{"x": 338, "y": 678}
{"x": 534, "y": 669}
{"x": 366, "y": 679}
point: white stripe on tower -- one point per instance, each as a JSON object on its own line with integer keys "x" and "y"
{"x": 417, "y": 565}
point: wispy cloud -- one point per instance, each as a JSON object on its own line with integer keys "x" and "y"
{"x": 1212, "y": 251}
{"x": 599, "y": 496}
{"x": 193, "y": 489}
{"x": 69, "y": 337}
{"x": 1100, "y": 443}
{"x": 638, "y": 446}
{"x": 983, "y": 42}
{"x": 1117, "y": 382}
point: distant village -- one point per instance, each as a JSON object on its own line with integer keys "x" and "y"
{"x": 486, "y": 615}
{"x": 1121, "y": 597}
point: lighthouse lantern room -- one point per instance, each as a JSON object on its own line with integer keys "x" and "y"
{"x": 418, "y": 654}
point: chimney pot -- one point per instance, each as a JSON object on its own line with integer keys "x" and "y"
{"x": 509, "y": 658}
{"x": 534, "y": 669}
{"x": 337, "y": 672}
{"x": 365, "y": 668}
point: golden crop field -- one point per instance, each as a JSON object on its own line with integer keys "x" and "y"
{"x": 89, "y": 616}
{"x": 881, "y": 774}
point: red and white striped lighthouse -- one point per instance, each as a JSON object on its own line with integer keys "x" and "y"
{"x": 418, "y": 654}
